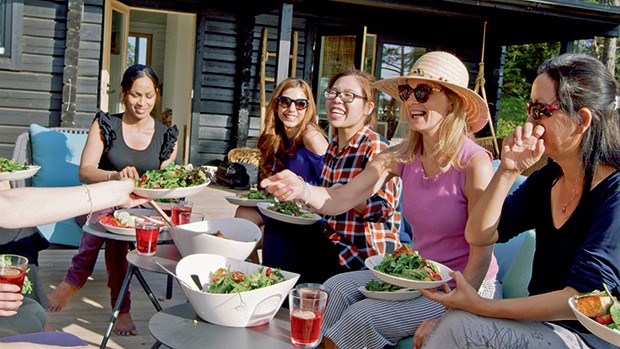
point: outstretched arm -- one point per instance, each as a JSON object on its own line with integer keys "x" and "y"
{"x": 286, "y": 186}
{"x": 26, "y": 207}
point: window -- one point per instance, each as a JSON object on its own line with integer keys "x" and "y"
{"x": 139, "y": 49}
{"x": 11, "y": 18}
{"x": 396, "y": 61}
{"x": 5, "y": 27}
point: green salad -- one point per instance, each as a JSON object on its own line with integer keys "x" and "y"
{"x": 381, "y": 286}
{"x": 8, "y": 165}
{"x": 256, "y": 195}
{"x": 172, "y": 176}
{"x": 409, "y": 266}
{"x": 290, "y": 208}
{"x": 226, "y": 281}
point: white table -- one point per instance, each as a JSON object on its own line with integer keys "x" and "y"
{"x": 179, "y": 327}
{"x": 166, "y": 254}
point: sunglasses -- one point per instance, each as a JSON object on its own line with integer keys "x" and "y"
{"x": 537, "y": 110}
{"x": 285, "y": 102}
{"x": 421, "y": 92}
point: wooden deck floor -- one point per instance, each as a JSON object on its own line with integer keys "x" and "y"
{"x": 88, "y": 314}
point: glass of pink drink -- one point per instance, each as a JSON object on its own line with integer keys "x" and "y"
{"x": 147, "y": 233}
{"x": 178, "y": 208}
{"x": 306, "y": 307}
{"x": 13, "y": 269}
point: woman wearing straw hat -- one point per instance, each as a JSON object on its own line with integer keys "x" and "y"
{"x": 444, "y": 172}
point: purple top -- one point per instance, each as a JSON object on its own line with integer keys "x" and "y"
{"x": 429, "y": 201}
{"x": 306, "y": 164}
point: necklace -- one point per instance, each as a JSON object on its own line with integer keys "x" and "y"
{"x": 569, "y": 201}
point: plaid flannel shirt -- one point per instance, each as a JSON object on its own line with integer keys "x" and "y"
{"x": 376, "y": 230}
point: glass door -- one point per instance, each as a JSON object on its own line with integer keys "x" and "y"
{"x": 339, "y": 50}
{"x": 114, "y": 55}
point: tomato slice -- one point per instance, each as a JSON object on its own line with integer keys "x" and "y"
{"x": 604, "y": 319}
{"x": 237, "y": 276}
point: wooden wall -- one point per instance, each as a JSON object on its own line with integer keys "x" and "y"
{"x": 31, "y": 93}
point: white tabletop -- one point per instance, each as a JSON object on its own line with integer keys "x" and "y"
{"x": 179, "y": 327}
{"x": 99, "y": 230}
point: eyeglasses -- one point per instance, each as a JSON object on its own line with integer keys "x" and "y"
{"x": 300, "y": 104}
{"x": 537, "y": 110}
{"x": 421, "y": 92}
{"x": 346, "y": 97}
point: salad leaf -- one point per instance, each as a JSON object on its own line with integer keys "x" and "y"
{"x": 290, "y": 208}
{"x": 381, "y": 286}
{"x": 8, "y": 165}
{"x": 614, "y": 309}
{"x": 256, "y": 195}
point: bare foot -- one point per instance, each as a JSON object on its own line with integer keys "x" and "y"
{"x": 61, "y": 296}
{"x": 124, "y": 325}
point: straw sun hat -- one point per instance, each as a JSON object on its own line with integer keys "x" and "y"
{"x": 443, "y": 69}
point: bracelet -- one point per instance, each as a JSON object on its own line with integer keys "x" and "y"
{"x": 305, "y": 196}
{"x": 90, "y": 203}
{"x": 109, "y": 175}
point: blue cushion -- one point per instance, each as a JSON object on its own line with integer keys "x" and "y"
{"x": 66, "y": 232}
{"x": 58, "y": 154}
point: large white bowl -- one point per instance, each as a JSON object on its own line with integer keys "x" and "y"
{"x": 245, "y": 309}
{"x": 240, "y": 237}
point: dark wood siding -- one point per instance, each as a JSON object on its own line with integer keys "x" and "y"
{"x": 214, "y": 91}
{"x": 32, "y": 94}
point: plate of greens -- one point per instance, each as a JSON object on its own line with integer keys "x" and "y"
{"x": 11, "y": 170}
{"x": 250, "y": 198}
{"x": 600, "y": 314}
{"x": 408, "y": 270}
{"x": 386, "y": 291}
{"x": 173, "y": 181}
{"x": 288, "y": 212}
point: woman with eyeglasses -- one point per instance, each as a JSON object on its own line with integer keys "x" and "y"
{"x": 341, "y": 242}
{"x": 444, "y": 173}
{"x": 572, "y": 202}
{"x": 291, "y": 139}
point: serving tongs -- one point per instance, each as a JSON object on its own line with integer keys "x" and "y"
{"x": 161, "y": 212}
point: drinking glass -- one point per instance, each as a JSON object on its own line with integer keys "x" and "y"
{"x": 13, "y": 269}
{"x": 306, "y": 308}
{"x": 178, "y": 208}
{"x": 190, "y": 217}
{"x": 147, "y": 233}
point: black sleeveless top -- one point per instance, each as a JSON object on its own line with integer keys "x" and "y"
{"x": 118, "y": 155}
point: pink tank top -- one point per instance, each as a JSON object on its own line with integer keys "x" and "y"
{"x": 436, "y": 208}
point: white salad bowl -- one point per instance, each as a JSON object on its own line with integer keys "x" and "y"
{"x": 244, "y": 309}
{"x": 240, "y": 237}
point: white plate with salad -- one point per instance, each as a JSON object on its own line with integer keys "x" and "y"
{"x": 388, "y": 292}
{"x": 170, "y": 193}
{"x": 19, "y": 174}
{"x": 288, "y": 212}
{"x": 442, "y": 272}
{"x": 250, "y": 199}
{"x": 172, "y": 182}
{"x": 602, "y": 331}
